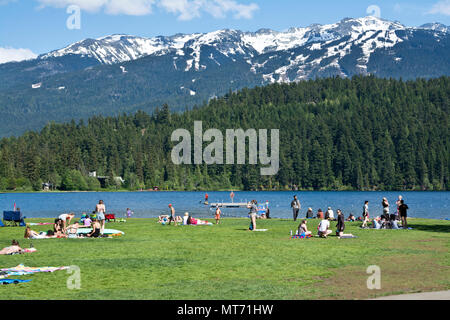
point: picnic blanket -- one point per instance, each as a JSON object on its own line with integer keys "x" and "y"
{"x": 21, "y": 270}
{"x": 40, "y": 224}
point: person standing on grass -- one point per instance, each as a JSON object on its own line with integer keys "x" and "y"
{"x": 66, "y": 218}
{"x": 403, "y": 210}
{"x": 365, "y": 215}
{"x": 172, "y": 215}
{"x": 296, "y": 206}
{"x": 398, "y": 203}
{"x": 253, "y": 206}
{"x": 129, "y": 213}
{"x": 340, "y": 223}
{"x": 385, "y": 205}
{"x": 217, "y": 214}
{"x": 100, "y": 211}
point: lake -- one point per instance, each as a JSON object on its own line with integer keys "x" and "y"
{"x": 432, "y": 205}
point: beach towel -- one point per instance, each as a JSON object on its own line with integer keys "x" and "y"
{"x": 21, "y": 270}
{"x": 349, "y": 237}
{"x": 301, "y": 236}
{"x": 40, "y": 224}
{"x": 14, "y": 281}
{"x": 261, "y": 230}
{"x": 105, "y": 232}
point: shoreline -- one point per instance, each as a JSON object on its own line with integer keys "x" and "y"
{"x": 234, "y": 190}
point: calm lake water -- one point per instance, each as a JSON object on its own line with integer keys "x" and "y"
{"x": 432, "y": 205}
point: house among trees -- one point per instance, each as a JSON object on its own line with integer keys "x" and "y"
{"x": 105, "y": 179}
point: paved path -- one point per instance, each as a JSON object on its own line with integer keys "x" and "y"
{"x": 440, "y": 295}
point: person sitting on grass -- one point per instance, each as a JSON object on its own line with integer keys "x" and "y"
{"x": 58, "y": 226}
{"x": 340, "y": 227}
{"x": 376, "y": 223}
{"x": 87, "y": 221}
{"x": 320, "y": 214}
{"x": 186, "y": 219}
{"x": 351, "y": 218}
{"x": 393, "y": 222}
{"x": 324, "y": 228}
{"x": 310, "y": 214}
{"x": 14, "y": 248}
{"x": 163, "y": 219}
{"x": 83, "y": 217}
{"x": 96, "y": 228}
{"x": 303, "y": 229}
{"x": 72, "y": 230}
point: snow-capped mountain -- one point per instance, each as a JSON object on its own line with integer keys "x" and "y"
{"x": 334, "y": 42}
{"x": 122, "y": 73}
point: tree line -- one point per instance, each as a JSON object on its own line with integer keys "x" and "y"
{"x": 363, "y": 133}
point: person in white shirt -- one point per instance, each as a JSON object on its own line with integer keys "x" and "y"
{"x": 324, "y": 228}
{"x": 330, "y": 213}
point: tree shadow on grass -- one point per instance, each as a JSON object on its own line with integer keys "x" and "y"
{"x": 431, "y": 228}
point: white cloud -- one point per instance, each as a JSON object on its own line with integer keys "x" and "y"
{"x": 128, "y": 7}
{"x": 183, "y": 9}
{"x": 442, "y": 7}
{"x": 11, "y": 54}
{"x": 5, "y": 2}
{"x": 190, "y": 9}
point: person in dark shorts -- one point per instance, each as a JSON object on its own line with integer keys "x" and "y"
{"x": 403, "y": 210}
{"x": 295, "y": 205}
{"x": 172, "y": 215}
{"x": 340, "y": 223}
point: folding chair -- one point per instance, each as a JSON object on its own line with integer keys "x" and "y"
{"x": 13, "y": 219}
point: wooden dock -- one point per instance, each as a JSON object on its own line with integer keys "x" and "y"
{"x": 230, "y": 205}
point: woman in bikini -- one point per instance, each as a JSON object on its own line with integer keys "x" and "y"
{"x": 100, "y": 210}
{"x": 96, "y": 228}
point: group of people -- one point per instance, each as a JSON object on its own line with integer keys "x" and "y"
{"x": 324, "y": 227}
{"x": 386, "y": 220}
{"x": 62, "y": 227}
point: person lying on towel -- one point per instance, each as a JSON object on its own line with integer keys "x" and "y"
{"x": 14, "y": 248}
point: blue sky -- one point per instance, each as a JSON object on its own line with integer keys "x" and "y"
{"x": 39, "y": 26}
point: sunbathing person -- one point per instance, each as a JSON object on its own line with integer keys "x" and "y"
{"x": 30, "y": 234}
{"x": 197, "y": 222}
{"x": 14, "y": 248}
{"x": 96, "y": 228}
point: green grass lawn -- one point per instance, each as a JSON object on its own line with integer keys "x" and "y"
{"x": 228, "y": 262}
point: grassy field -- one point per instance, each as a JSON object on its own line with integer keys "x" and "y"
{"x": 228, "y": 262}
